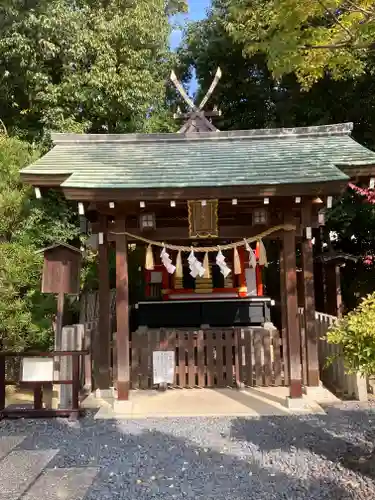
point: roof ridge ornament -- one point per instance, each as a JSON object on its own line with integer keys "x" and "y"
{"x": 197, "y": 119}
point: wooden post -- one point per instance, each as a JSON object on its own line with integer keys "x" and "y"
{"x": 38, "y": 397}
{"x": 2, "y": 381}
{"x": 309, "y": 302}
{"x": 294, "y": 343}
{"x": 318, "y": 272}
{"x": 75, "y": 386}
{"x": 122, "y": 311}
{"x": 59, "y": 320}
{"x": 58, "y": 333}
{"x": 102, "y": 342}
{"x": 284, "y": 333}
{"x": 339, "y": 304}
{"x": 333, "y": 289}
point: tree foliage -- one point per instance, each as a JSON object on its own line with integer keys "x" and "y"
{"x": 26, "y": 225}
{"x": 250, "y": 97}
{"x": 356, "y": 335}
{"x": 84, "y": 65}
{"x": 307, "y": 37}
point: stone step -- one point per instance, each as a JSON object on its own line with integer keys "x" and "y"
{"x": 62, "y": 484}
{"x": 19, "y": 469}
{"x": 7, "y": 443}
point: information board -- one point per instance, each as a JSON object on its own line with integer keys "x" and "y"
{"x": 163, "y": 363}
{"x": 37, "y": 370}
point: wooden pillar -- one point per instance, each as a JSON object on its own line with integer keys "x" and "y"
{"x": 101, "y": 345}
{"x": 291, "y": 305}
{"x": 258, "y": 273}
{"x": 122, "y": 311}
{"x": 242, "y": 277}
{"x": 339, "y": 303}
{"x": 311, "y": 337}
{"x": 318, "y": 272}
{"x": 284, "y": 333}
{"x": 333, "y": 289}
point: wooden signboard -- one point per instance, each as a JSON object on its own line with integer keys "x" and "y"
{"x": 203, "y": 219}
{"x": 163, "y": 363}
{"x": 37, "y": 370}
{"x": 61, "y": 269}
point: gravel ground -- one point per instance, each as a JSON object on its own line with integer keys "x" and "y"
{"x": 309, "y": 457}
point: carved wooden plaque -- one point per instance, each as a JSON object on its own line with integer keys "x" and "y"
{"x": 203, "y": 219}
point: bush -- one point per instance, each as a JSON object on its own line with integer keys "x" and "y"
{"x": 355, "y": 333}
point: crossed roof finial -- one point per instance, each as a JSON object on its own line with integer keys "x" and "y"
{"x": 197, "y": 121}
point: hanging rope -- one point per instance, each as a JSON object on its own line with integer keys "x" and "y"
{"x": 230, "y": 246}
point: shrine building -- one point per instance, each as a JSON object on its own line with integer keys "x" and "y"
{"x": 219, "y": 218}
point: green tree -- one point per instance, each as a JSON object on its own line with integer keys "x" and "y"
{"x": 307, "y": 37}
{"x": 250, "y": 97}
{"x": 83, "y": 65}
{"x": 26, "y": 225}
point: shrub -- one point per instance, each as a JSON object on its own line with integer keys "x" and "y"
{"x": 355, "y": 333}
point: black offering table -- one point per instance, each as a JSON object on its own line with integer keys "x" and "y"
{"x": 221, "y": 312}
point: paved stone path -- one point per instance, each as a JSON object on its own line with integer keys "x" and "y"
{"x": 278, "y": 457}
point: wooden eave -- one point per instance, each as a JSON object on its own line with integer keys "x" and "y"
{"x": 44, "y": 180}
{"x": 358, "y": 171}
{"x": 308, "y": 189}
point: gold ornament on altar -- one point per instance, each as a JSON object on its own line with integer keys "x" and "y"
{"x": 203, "y": 219}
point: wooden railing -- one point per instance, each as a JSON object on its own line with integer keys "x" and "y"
{"x": 39, "y": 386}
{"x": 333, "y": 376}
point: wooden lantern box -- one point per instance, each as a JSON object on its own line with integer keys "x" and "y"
{"x": 61, "y": 269}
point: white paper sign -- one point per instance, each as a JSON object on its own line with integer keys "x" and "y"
{"x": 163, "y": 363}
{"x": 37, "y": 370}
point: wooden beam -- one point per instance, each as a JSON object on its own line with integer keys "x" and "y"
{"x": 122, "y": 312}
{"x": 101, "y": 345}
{"x": 291, "y": 304}
{"x": 311, "y": 336}
{"x": 182, "y": 233}
{"x": 190, "y": 193}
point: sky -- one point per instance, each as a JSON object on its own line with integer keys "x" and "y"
{"x": 197, "y": 11}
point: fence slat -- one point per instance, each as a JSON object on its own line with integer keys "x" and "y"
{"x": 249, "y": 346}
{"x": 228, "y": 346}
{"x": 219, "y": 365}
{"x": 275, "y": 336}
{"x": 267, "y": 357}
{"x": 181, "y": 359}
{"x": 237, "y": 355}
{"x": 258, "y": 351}
{"x": 201, "y": 370}
{"x": 191, "y": 360}
{"x": 210, "y": 358}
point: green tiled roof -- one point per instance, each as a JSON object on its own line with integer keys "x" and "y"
{"x": 240, "y": 158}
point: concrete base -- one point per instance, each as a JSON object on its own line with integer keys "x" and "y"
{"x": 122, "y": 407}
{"x": 249, "y": 402}
{"x": 105, "y": 393}
{"x": 320, "y": 395}
{"x": 296, "y": 404}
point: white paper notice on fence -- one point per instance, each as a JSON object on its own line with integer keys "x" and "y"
{"x": 37, "y": 370}
{"x": 163, "y": 363}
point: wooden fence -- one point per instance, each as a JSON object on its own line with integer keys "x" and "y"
{"x": 211, "y": 357}
{"x": 332, "y": 376}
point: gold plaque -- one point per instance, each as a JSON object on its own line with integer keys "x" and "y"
{"x": 203, "y": 219}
